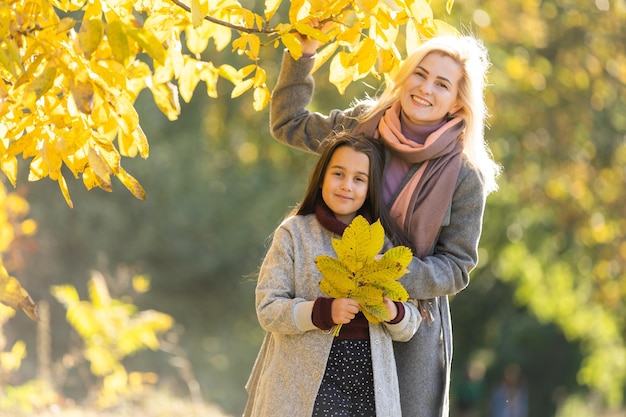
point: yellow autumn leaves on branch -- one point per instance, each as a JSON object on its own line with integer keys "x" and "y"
{"x": 71, "y": 70}
{"x": 360, "y": 273}
{"x": 111, "y": 329}
{"x": 14, "y": 224}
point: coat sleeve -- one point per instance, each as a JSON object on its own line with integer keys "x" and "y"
{"x": 290, "y": 121}
{"x": 455, "y": 253}
{"x": 278, "y": 309}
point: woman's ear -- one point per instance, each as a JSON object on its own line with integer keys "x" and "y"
{"x": 455, "y": 108}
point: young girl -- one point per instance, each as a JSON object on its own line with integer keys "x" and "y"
{"x": 302, "y": 369}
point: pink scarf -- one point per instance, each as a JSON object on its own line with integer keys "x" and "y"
{"x": 424, "y": 200}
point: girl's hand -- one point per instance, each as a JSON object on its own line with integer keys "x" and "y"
{"x": 391, "y": 307}
{"x": 343, "y": 310}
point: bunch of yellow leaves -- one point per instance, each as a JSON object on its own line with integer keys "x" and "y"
{"x": 360, "y": 273}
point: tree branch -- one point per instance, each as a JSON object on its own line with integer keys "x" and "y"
{"x": 225, "y": 24}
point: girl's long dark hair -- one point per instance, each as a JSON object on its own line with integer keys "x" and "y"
{"x": 374, "y": 204}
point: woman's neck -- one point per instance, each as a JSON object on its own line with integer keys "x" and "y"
{"x": 416, "y": 132}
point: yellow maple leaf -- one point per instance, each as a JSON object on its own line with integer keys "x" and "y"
{"x": 292, "y": 44}
{"x": 90, "y": 35}
{"x": 360, "y": 273}
{"x": 261, "y": 97}
{"x": 199, "y": 9}
{"x": 10, "y": 361}
{"x": 166, "y": 98}
{"x": 365, "y": 56}
{"x": 271, "y": 6}
{"x": 324, "y": 54}
{"x": 118, "y": 40}
{"x": 12, "y": 294}
{"x": 360, "y": 243}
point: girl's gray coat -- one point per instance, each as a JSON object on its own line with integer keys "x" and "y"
{"x": 290, "y": 366}
{"x": 424, "y": 362}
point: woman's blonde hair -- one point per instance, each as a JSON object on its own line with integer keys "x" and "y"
{"x": 472, "y": 55}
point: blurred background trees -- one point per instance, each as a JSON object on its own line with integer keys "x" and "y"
{"x": 558, "y": 243}
{"x": 547, "y": 295}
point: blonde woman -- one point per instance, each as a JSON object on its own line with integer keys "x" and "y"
{"x": 438, "y": 173}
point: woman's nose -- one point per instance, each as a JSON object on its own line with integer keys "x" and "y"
{"x": 426, "y": 87}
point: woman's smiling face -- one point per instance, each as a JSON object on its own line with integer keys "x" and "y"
{"x": 431, "y": 92}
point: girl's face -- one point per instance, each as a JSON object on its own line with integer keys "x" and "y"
{"x": 345, "y": 184}
{"x": 431, "y": 92}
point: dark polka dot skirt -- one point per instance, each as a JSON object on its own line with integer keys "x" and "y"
{"x": 347, "y": 389}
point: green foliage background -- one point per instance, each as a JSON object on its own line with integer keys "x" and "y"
{"x": 548, "y": 291}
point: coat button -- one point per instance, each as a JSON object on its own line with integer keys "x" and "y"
{"x": 315, "y": 375}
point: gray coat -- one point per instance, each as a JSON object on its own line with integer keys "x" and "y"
{"x": 290, "y": 366}
{"x": 424, "y": 362}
